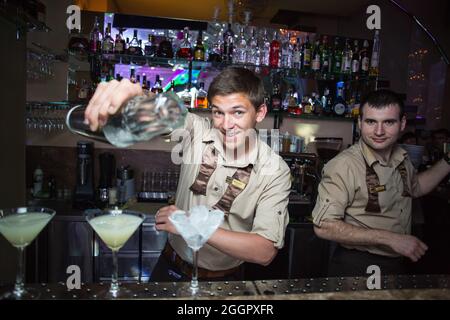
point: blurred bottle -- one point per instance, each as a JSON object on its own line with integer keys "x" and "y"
{"x": 95, "y": 38}
{"x": 375, "y": 59}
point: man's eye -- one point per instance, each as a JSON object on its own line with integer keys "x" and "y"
{"x": 371, "y": 122}
{"x": 217, "y": 113}
{"x": 239, "y": 113}
{"x": 390, "y": 123}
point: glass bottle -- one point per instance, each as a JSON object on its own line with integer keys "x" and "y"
{"x": 355, "y": 58}
{"x": 157, "y": 87}
{"x": 297, "y": 55}
{"x": 108, "y": 41}
{"x": 134, "y": 48}
{"x": 150, "y": 46}
{"x": 185, "y": 50}
{"x": 287, "y": 52}
{"x": 253, "y": 54}
{"x": 141, "y": 119}
{"x": 202, "y": 97}
{"x": 337, "y": 57}
{"x": 265, "y": 52}
{"x": 199, "y": 49}
{"x": 375, "y": 58}
{"x": 315, "y": 64}
{"x": 95, "y": 38}
{"x": 306, "y": 56}
{"x": 274, "y": 53}
{"x": 119, "y": 45}
{"x": 240, "y": 49}
{"x": 165, "y": 49}
{"x": 365, "y": 60}
{"x": 228, "y": 44}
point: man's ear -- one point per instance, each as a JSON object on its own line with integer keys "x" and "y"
{"x": 403, "y": 123}
{"x": 261, "y": 112}
{"x": 359, "y": 123}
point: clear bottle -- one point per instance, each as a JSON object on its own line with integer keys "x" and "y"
{"x": 287, "y": 52}
{"x": 228, "y": 44}
{"x": 253, "y": 54}
{"x": 119, "y": 45}
{"x": 141, "y": 119}
{"x": 265, "y": 52}
{"x": 186, "y": 97}
{"x": 240, "y": 49}
{"x": 297, "y": 55}
{"x": 355, "y": 58}
{"x": 365, "y": 60}
{"x": 315, "y": 65}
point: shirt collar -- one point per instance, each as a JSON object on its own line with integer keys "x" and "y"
{"x": 212, "y": 136}
{"x": 398, "y": 155}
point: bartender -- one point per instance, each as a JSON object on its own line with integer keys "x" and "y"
{"x": 365, "y": 196}
{"x": 232, "y": 171}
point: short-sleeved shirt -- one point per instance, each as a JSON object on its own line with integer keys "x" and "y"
{"x": 261, "y": 208}
{"x": 343, "y": 193}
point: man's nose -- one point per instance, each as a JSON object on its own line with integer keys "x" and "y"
{"x": 228, "y": 122}
{"x": 379, "y": 130}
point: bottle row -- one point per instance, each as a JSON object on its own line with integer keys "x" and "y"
{"x": 326, "y": 55}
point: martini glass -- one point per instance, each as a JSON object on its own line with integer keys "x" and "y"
{"x": 20, "y": 226}
{"x": 114, "y": 227}
{"x": 196, "y": 227}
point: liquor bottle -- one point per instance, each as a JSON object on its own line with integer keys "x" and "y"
{"x": 327, "y": 102}
{"x": 138, "y": 79}
{"x": 228, "y": 46}
{"x": 83, "y": 93}
{"x": 287, "y": 52}
{"x": 201, "y": 100}
{"x": 119, "y": 45}
{"x": 355, "y": 58}
{"x": 186, "y": 97}
{"x": 185, "y": 50}
{"x": 297, "y": 55}
{"x": 157, "y": 87}
{"x": 134, "y": 47}
{"x": 199, "y": 49}
{"x": 95, "y": 38}
{"x": 150, "y": 47}
{"x": 215, "y": 53}
{"x": 317, "y": 104}
{"x": 108, "y": 41}
{"x": 325, "y": 57}
{"x": 274, "y": 53}
{"x": 145, "y": 87}
{"x": 375, "y": 59}
{"x": 275, "y": 99}
{"x": 346, "y": 66}
{"x": 365, "y": 61}
{"x": 132, "y": 75}
{"x": 337, "y": 56}
{"x": 165, "y": 49}
{"x": 253, "y": 53}
{"x": 265, "y": 49}
{"x": 315, "y": 65}
{"x": 306, "y": 56}
{"x": 340, "y": 105}
{"x": 240, "y": 49}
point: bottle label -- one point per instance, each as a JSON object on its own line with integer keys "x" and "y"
{"x": 307, "y": 57}
{"x": 355, "y": 66}
{"x": 119, "y": 46}
{"x": 199, "y": 55}
{"x": 374, "y": 60}
{"x": 365, "y": 64}
{"x": 316, "y": 62}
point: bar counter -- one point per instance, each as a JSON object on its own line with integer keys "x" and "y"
{"x": 406, "y": 287}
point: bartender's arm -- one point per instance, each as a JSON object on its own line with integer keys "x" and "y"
{"x": 429, "y": 179}
{"x": 335, "y": 195}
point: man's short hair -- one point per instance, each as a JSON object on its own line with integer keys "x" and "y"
{"x": 238, "y": 80}
{"x": 380, "y": 99}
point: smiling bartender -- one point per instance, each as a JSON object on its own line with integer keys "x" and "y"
{"x": 225, "y": 167}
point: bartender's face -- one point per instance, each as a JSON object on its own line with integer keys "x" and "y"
{"x": 235, "y": 116}
{"x": 380, "y": 128}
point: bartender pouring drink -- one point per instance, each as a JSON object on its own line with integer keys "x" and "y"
{"x": 224, "y": 166}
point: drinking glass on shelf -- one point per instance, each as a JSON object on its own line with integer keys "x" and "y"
{"x": 20, "y": 226}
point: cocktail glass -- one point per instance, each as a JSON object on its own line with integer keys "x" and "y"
{"x": 114, "y": 227}
{"x": 196, "y": 227}
{"x": 20, "y": 226}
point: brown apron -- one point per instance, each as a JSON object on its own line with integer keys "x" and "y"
{"x": 236, "y": 183}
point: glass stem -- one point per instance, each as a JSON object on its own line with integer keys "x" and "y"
{"x": 114, "y": 279}
{"x": 18, "y": 288}
{"x": 194, "y": 281}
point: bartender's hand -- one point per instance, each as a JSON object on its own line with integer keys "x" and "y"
{"x": 408, "y": 246}
{"x": 107, "y": 100}
{"x": 162, "y": 222}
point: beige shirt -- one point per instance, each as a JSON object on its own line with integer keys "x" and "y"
{"x": 261, "y": 208}
{"x": 343, "y": 193}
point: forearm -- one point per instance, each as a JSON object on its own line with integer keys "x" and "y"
{"x": 429, "y": 179}
{"x": 345, "y": 233}
{"x": 248, "y": 247}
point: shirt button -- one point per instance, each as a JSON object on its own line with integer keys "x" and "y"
{"x": 216, "y": 188}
